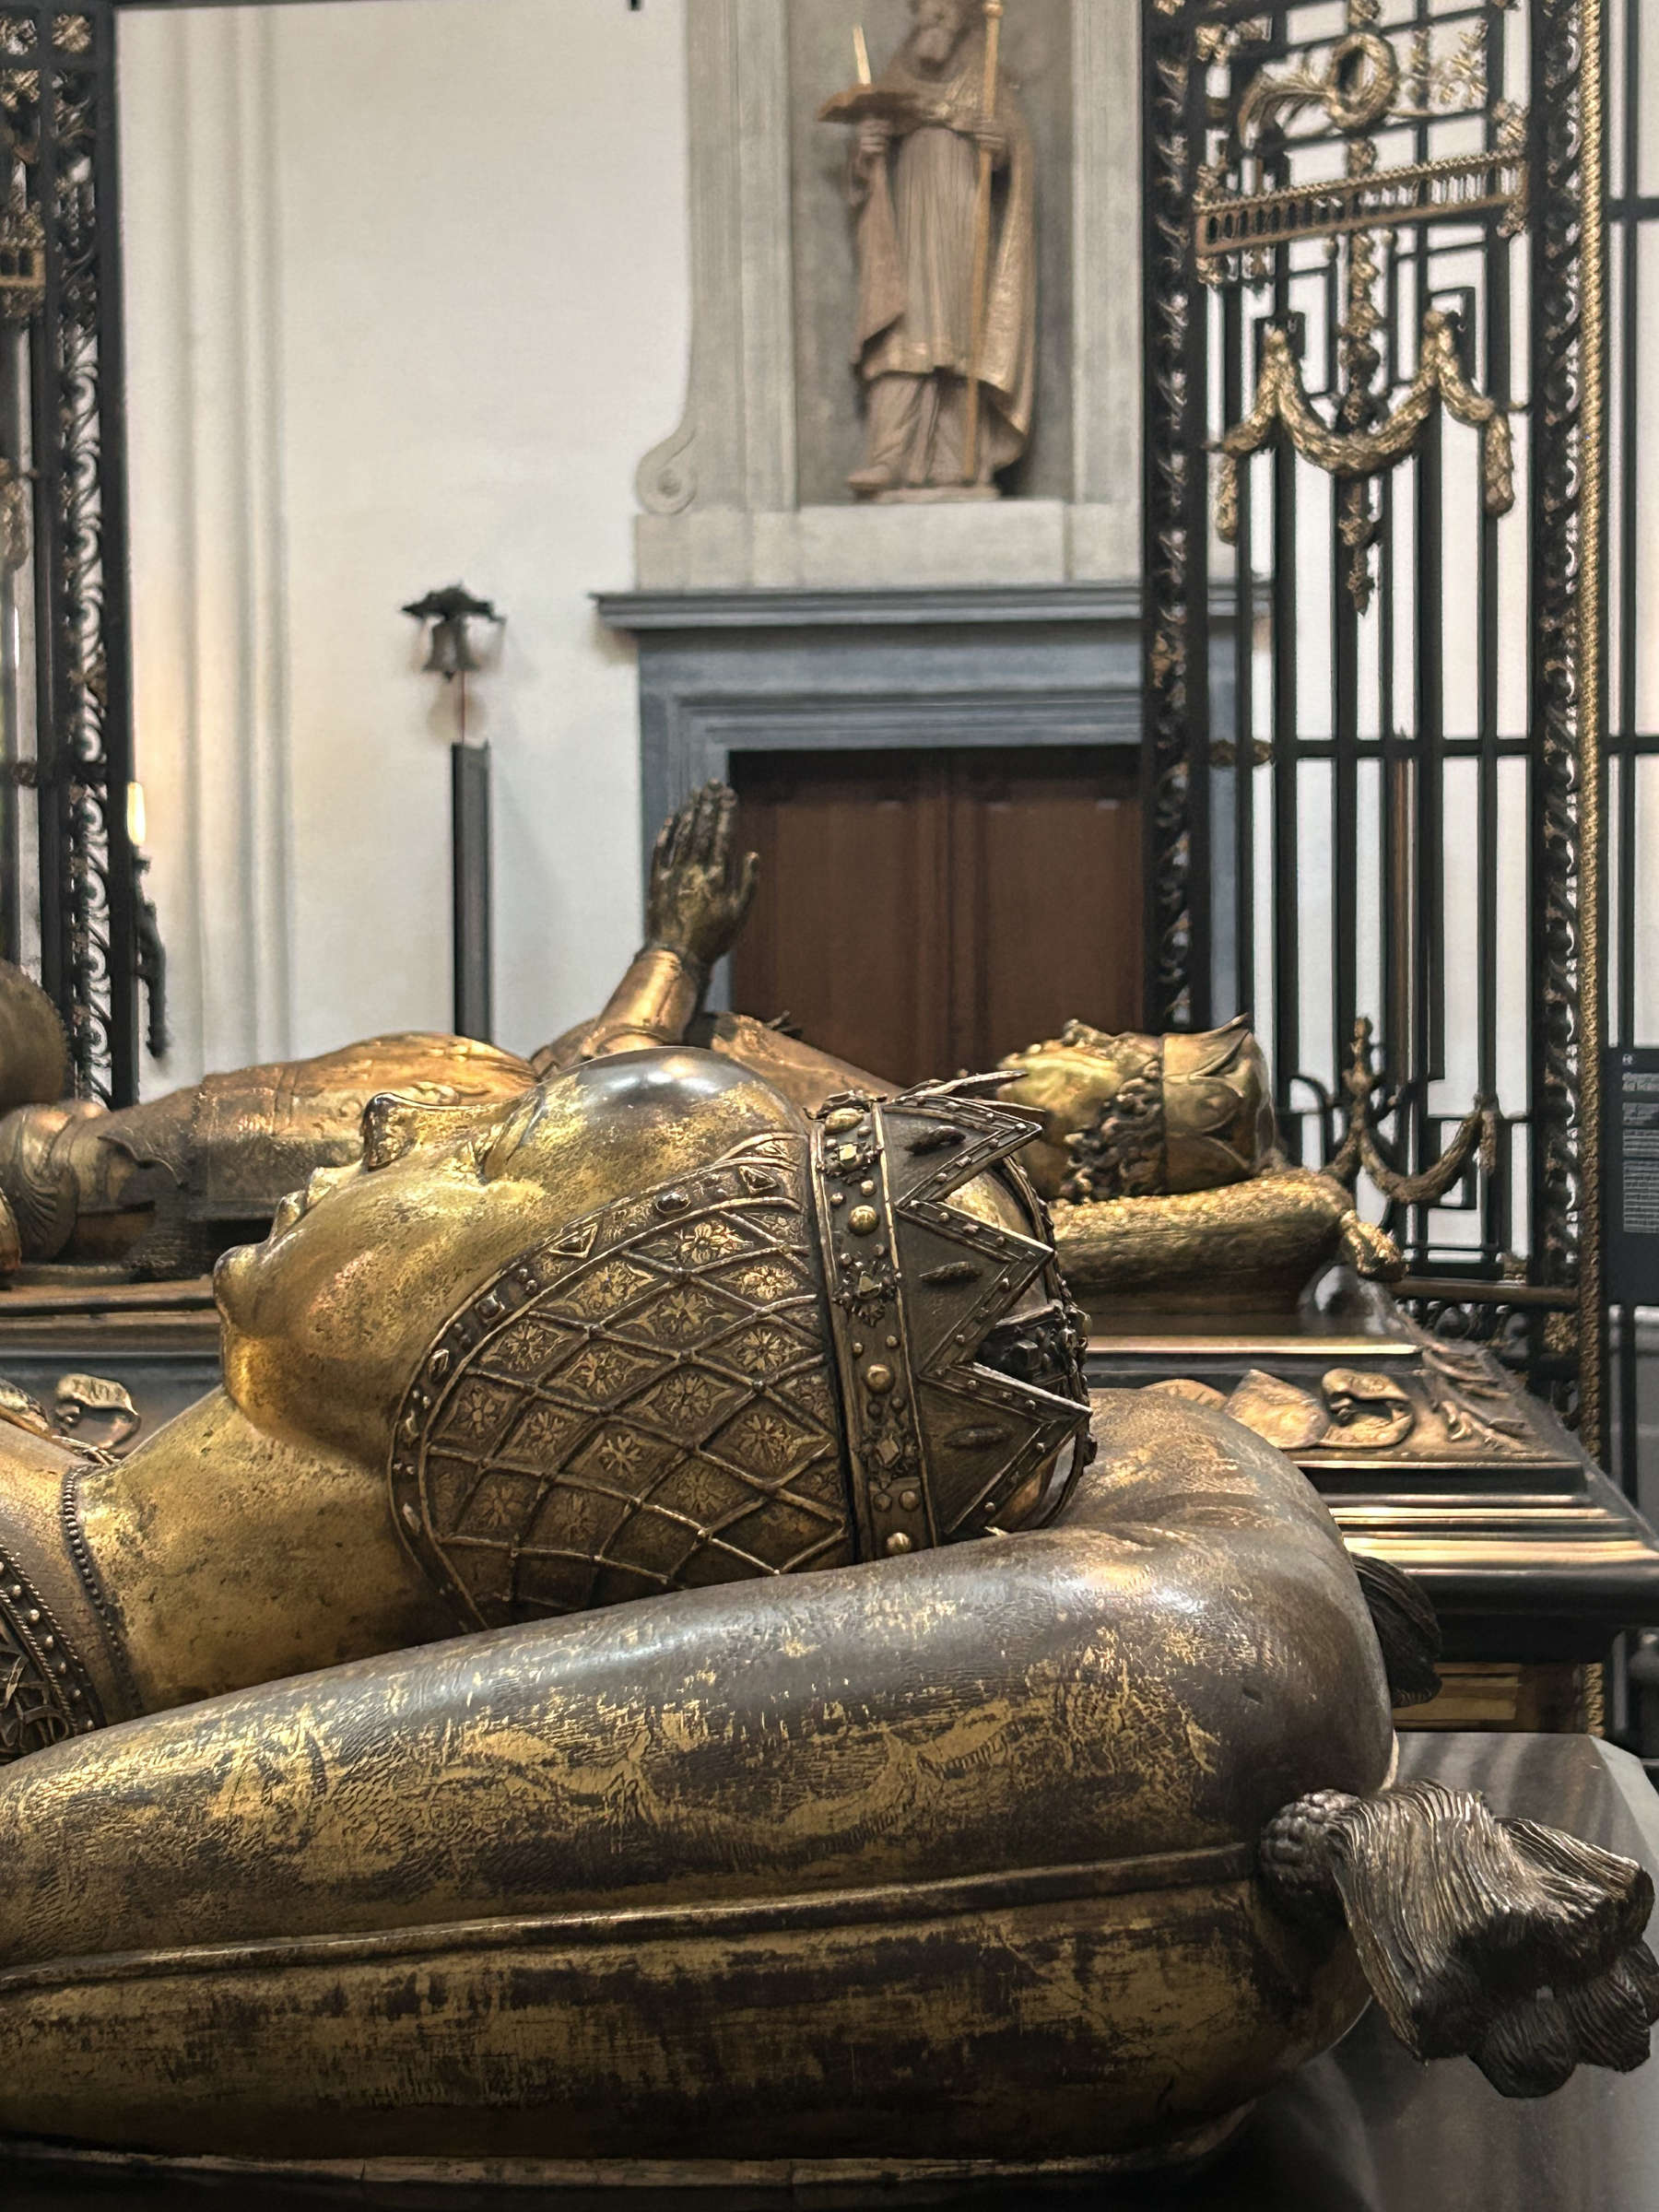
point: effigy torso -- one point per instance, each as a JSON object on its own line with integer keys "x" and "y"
{"x": 257, "y": 1133}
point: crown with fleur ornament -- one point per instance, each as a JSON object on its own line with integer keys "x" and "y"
{"x": 957, "y": 1350}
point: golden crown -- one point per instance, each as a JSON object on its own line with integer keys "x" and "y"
{"x": 959, "y": 1352}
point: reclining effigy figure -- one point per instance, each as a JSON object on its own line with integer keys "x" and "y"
{"x": 1159, "y": 1154}
{"x": 168, "y": 1184}
{"x": 750, "y": 1723}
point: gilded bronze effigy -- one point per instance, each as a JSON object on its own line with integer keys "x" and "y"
{"x": 858, "y": 1740}
{"x": 1135, "y": 1135}
{"x": 846, "y": 1767}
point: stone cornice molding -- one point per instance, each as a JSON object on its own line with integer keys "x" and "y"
{"x": 743, "y": 607}
{"x": 747, "y": 608}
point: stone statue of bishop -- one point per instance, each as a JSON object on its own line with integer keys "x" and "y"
{"x": 915, "y": 183}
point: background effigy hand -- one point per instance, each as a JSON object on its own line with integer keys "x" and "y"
{"x": 701, "y": 889}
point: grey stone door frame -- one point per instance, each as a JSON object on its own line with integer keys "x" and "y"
{"x": 728, "y": 672}
{"x": 723, "y": 672}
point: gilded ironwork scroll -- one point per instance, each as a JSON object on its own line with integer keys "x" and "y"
{"x": 1475, "y": 1142}
{"x": 1353, "y": 455}
{"x": 1361, "y": 87}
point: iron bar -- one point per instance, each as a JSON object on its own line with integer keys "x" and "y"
{"x": 1590, "y": 624}
{"x": 1176, "y": 795}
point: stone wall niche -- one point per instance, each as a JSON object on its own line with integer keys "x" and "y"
{"x": 749, "y": 490}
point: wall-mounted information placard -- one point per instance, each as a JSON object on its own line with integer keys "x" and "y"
{"x": 1630, "y": 1088}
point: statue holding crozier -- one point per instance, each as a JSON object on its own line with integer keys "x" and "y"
{"x": 941, "y": 182}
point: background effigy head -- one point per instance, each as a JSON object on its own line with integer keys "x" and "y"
{"x": 649, "y": 1328}
{"x": 1132, "y": 1115}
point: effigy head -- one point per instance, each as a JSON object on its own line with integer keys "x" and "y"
{"x": 1133, "y": 1116}
{"x": 649, "y": 1328}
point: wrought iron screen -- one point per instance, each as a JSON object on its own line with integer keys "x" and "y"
{"x": 1633, "y": 614}
{"x": 1373, "y": 411}
{"x": 70, "y": 896}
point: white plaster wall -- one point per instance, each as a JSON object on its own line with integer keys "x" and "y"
{"x": 408, "y": 297}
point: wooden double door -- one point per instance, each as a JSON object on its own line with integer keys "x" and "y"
{"x": 923, "y": 913}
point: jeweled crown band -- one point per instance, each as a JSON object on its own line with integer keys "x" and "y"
{"x": 942, "y": 1428}
{"x": 889, "y": 1492}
